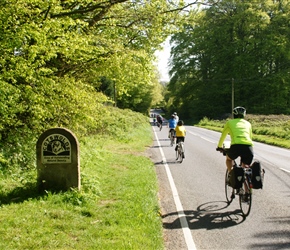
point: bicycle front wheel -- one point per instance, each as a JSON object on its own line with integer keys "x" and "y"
{"x": 230, "y": 192}
{"x": 245, "y": 198}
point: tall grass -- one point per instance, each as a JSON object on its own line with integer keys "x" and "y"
{"x": 270, "y": 129}
{"x": 117, "y": 207}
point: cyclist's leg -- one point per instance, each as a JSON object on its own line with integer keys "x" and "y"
{"x": 183, "y": 149}
{"x": 229, "y": 163}
{"x": 247, "y": 156}
{"x": 178, "y": 139}
{"x": 173, "y": 134}
{"x": 232, "y": 154}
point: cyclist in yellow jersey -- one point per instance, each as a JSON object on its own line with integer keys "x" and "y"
{"x": 240, "y": 131}
{"x": 180, "y": 132}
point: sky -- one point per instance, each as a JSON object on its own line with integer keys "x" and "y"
{"x": 164, "y": 55}
{"x": 162, "y": 61}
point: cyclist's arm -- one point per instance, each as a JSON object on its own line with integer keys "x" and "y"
{"x": 223, "y": 136}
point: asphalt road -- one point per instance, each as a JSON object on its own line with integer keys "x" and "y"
{"x": 193, "y": 203}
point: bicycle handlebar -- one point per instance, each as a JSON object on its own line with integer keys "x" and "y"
{"x": 222, "y": 150}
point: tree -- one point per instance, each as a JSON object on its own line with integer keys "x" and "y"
{"x": 244, "y": 41}
{"x": 57, "y": 57}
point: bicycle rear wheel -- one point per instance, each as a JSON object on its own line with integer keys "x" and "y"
{"x": 177, "y": 152}
{"x": 245, "y": 199}
{"x": 230, "y": 192}
{"x": 180, "y": 153}
{"x": 171, "y": 138}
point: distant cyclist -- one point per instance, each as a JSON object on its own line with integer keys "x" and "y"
{"x": 176, "y": 116}
{"x": 240, "y": 131}
{"x": 159, "y": 120}
{"x": 171, "y": 124}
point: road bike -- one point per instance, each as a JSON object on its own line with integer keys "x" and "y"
{"x": 159, "y": 124}
{"x": 180, "y": 151}
{"x": 171, "y": 136}
{"x": 244, "y": 191}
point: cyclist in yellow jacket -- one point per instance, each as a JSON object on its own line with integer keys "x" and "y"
{"x": 180, "y": 132}
{"x": 240, "y": 131}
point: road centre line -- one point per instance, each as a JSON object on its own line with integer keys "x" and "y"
{"x": 285, "y": 170}
{"x": 206, "y": 139}
{"x": 181, "y": 215}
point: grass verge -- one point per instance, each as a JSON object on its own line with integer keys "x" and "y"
{"x": 117, "y": 207}
{"x": 270, "y": 129}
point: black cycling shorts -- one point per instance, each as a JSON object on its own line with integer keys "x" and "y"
{"x": 244, "y": 151}
{"x": 179, "y": 138}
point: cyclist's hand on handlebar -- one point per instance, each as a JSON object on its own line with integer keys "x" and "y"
{"x": 219, "y": 149}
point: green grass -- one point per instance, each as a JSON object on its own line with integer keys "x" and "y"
{"x": 270, "y": 129}
{"x": 117, "y": 207}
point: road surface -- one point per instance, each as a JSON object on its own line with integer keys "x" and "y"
{"x": 192, "y": 197}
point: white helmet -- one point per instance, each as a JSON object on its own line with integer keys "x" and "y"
{"x": 239, "y": 112}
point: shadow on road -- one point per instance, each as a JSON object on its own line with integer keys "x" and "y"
{"x": 207, "y": 216}
{"x": 164, "y": 139}
{"x": 162, "y": 146}
{"x": 167, "y": 162}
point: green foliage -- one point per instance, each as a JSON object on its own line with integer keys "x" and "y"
{"x": 117, "y": 206}
{"x": 232, "y": 42}
{"x": 270, "y": 129}
{"x": 211, "y": 123}
{"x": 55, "y": 56}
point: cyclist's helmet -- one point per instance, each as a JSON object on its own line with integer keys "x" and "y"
{"x": 174, "y": 113}
{"x": 180, "y": 123}
{"x": 239, "y": 112}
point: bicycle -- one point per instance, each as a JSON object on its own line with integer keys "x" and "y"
{"x": 244, "y": 191}
{"x": 180, "y": 151}
{"x": 171, "y": 136}
{"x": 160, "y": 125}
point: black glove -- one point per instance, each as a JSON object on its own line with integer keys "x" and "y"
{"x": 219, "y": 149}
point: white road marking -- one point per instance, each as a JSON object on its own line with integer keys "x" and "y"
{"x": 285, "y": 170}
{"x": 181, "y": 215}
{"x": 206, "y": 139}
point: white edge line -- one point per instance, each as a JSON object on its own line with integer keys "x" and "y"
{"x": 182, "y": 217}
